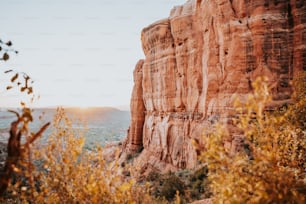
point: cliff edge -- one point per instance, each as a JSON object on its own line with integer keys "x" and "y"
{"x": 197, "y": 60}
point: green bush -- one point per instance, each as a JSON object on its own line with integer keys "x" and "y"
{"x": 166, "y": 186}
{"x": 199, "y": 184}
{"x": 170, "y": 186}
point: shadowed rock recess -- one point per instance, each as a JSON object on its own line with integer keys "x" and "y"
{"x": 196, "y": 60}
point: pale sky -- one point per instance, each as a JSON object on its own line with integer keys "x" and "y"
{"x": 79, "y": 52}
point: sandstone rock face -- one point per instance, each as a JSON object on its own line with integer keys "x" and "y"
{"x": 137, "y": 111}
{"x": 198, "y": 59}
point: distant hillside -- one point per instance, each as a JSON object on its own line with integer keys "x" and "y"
{"x": 104, "y": 123}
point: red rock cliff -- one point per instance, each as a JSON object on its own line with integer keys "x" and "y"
{"x": 197, "y": 59}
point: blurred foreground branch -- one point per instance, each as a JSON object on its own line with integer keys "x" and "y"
{"x": 15, "y": 151}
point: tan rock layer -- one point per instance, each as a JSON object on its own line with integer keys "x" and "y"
{"x": 198, "y": 59}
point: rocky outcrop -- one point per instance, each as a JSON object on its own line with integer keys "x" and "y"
{"x": 197, "y": 60}
{"x": 135, "y": 141}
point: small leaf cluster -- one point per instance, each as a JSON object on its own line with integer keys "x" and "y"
{"x": 5, "y": 48}
{"x": 17, "y": 79}
{"x": 21, "y": 80}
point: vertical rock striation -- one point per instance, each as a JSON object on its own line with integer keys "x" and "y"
{"x": 197, "y": 59}
{"x": 137, "y": 112}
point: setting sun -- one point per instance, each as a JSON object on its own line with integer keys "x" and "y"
{"x": 83, "y": 107}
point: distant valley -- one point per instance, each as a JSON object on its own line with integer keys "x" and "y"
{"x": 103, "y": 124}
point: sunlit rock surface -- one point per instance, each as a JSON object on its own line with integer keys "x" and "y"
{"x": 198, "y": 60}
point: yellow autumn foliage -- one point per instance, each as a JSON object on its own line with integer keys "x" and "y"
{"x": 271, "y": 166}
{"x": 67, "y": 173}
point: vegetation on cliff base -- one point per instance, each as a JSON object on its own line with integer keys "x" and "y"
{"x": 189, "y": 184}
{"x": 270, "y": 168}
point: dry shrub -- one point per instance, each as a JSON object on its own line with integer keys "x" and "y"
{"x": 67, "y": 173}
{"x": 198, "y": 183}
{"x": 271, "y": 167}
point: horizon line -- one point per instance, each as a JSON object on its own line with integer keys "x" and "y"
{"x": 121, "y": 108}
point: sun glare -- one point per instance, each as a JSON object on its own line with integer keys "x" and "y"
{"x": 84, "y": 107}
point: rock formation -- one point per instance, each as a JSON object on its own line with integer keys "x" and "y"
{"x": 137, "y": 111}
{"x": 197, "y": 60}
